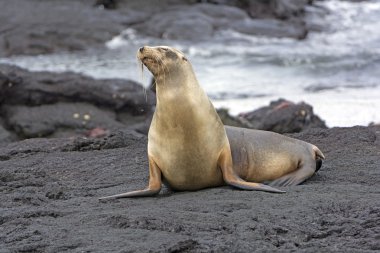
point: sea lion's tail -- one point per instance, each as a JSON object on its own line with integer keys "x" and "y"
{"x": 319, "y": 156}
{"x": 318, "y": 153}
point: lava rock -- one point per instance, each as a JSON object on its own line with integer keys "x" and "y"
{"x": 36, "y": 88}
{"x": 36, "y": 104}
{"x": 45, "y": 27}
{"x": 5, "y": 135}
{"x": 106, "y": 4}
{"x": 50, "y": 189}
{"x": 178, "y": 24}
{"x": 55, "y": 119}
{"x": 283, "y": 116}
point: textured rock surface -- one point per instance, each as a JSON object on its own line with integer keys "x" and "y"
{"x": 49, "y": 190}
{"x": 34, "y": 27}
{"x": 37, "y": 104}
{"x": 5, "y": 135}
{"x": 284, "y": 116}
{"x": 45, "y": 120}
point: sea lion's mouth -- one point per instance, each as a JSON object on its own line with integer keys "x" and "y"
{"x": 147, "y": 59}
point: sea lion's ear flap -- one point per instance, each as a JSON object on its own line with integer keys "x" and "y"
{"x": 184, "y": 58}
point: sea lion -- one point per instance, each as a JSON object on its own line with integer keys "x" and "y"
{"x": 263, "y": 156}
{"x": 188, "y": 147}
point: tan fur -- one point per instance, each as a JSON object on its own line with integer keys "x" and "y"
{"x": 187, "y": 142}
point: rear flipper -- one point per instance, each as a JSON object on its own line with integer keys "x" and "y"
{"x": 231, "y": 178}
{"x": 298, "y": 176}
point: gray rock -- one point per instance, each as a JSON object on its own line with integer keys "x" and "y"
{"x": 5, "y": 135}
{"x": 19, "y": 86}
{"x": 41, "y": 27}
{"x": 106, "y": 4}
{"x": 286, "y": 9}
{"x": 270, "y": 27}
{"x": 220, "y": 11}
{"x": 272, "y": 18}
{"x": 44, "y": 27}
{"x": 179, "y": 24}
{"x": 284, "y": 116}
{"x": 53, "y": 119}
{"x": 36, "y": 104}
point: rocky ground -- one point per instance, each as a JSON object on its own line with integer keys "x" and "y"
{"x": 49, "y": 186}
{"x": 67, "y": 139}
{"x": 45, "y": 104}
{"x": 49, "y": 190}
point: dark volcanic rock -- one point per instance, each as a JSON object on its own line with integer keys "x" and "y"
{"x": 40, "y": 27}
{"x": 182, "y": 24}
{"x": 33, "y": 27}
{"x": 229, "y": 120}
{"x": 201, "y": 21}
{"x": 36, "y": 104}
{"x": 284, "y": 116}
{"x": 36, "y": 88}
{"x": 46, "y": 120}
{"x": 107, "y": 4}
{"x": 5, "y": 135}
{"x": 50, "y": 188}
{"x": 283, "y": 9}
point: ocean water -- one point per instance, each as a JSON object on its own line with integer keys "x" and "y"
{"x": 337, "y": 71}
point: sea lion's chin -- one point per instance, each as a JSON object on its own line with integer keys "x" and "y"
{"x": 149, "y": 63}
{"x": 153, "y": 68}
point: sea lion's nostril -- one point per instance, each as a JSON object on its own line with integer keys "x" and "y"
{"x": 141, "y": 49}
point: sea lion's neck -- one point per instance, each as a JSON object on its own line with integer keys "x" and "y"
{"x": 179, "y": 96}
{"x": 177, "y": 85}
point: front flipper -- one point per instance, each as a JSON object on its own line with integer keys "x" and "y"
{"x": 153, "y": 188}
{"x": 231, "y": 178}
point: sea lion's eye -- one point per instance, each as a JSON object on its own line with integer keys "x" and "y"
{"x": 165, "y": 49}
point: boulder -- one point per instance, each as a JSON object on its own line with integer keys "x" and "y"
{"x": 59, "y": 119}
{"x": 283, "y": 116}
{"x": 177, "y": 24}
{"x": 282, "y": 9}
{"x": 19, "y": 86}
{"x": 36, "y": 104}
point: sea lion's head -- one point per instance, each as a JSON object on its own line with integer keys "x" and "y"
{"x": 161, "y": 60}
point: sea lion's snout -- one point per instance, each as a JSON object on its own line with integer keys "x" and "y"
{"x": 160, "y": 59}
{"x": 144, "y": 53}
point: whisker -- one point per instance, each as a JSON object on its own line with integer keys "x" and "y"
{"x": 140, "y": 64}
